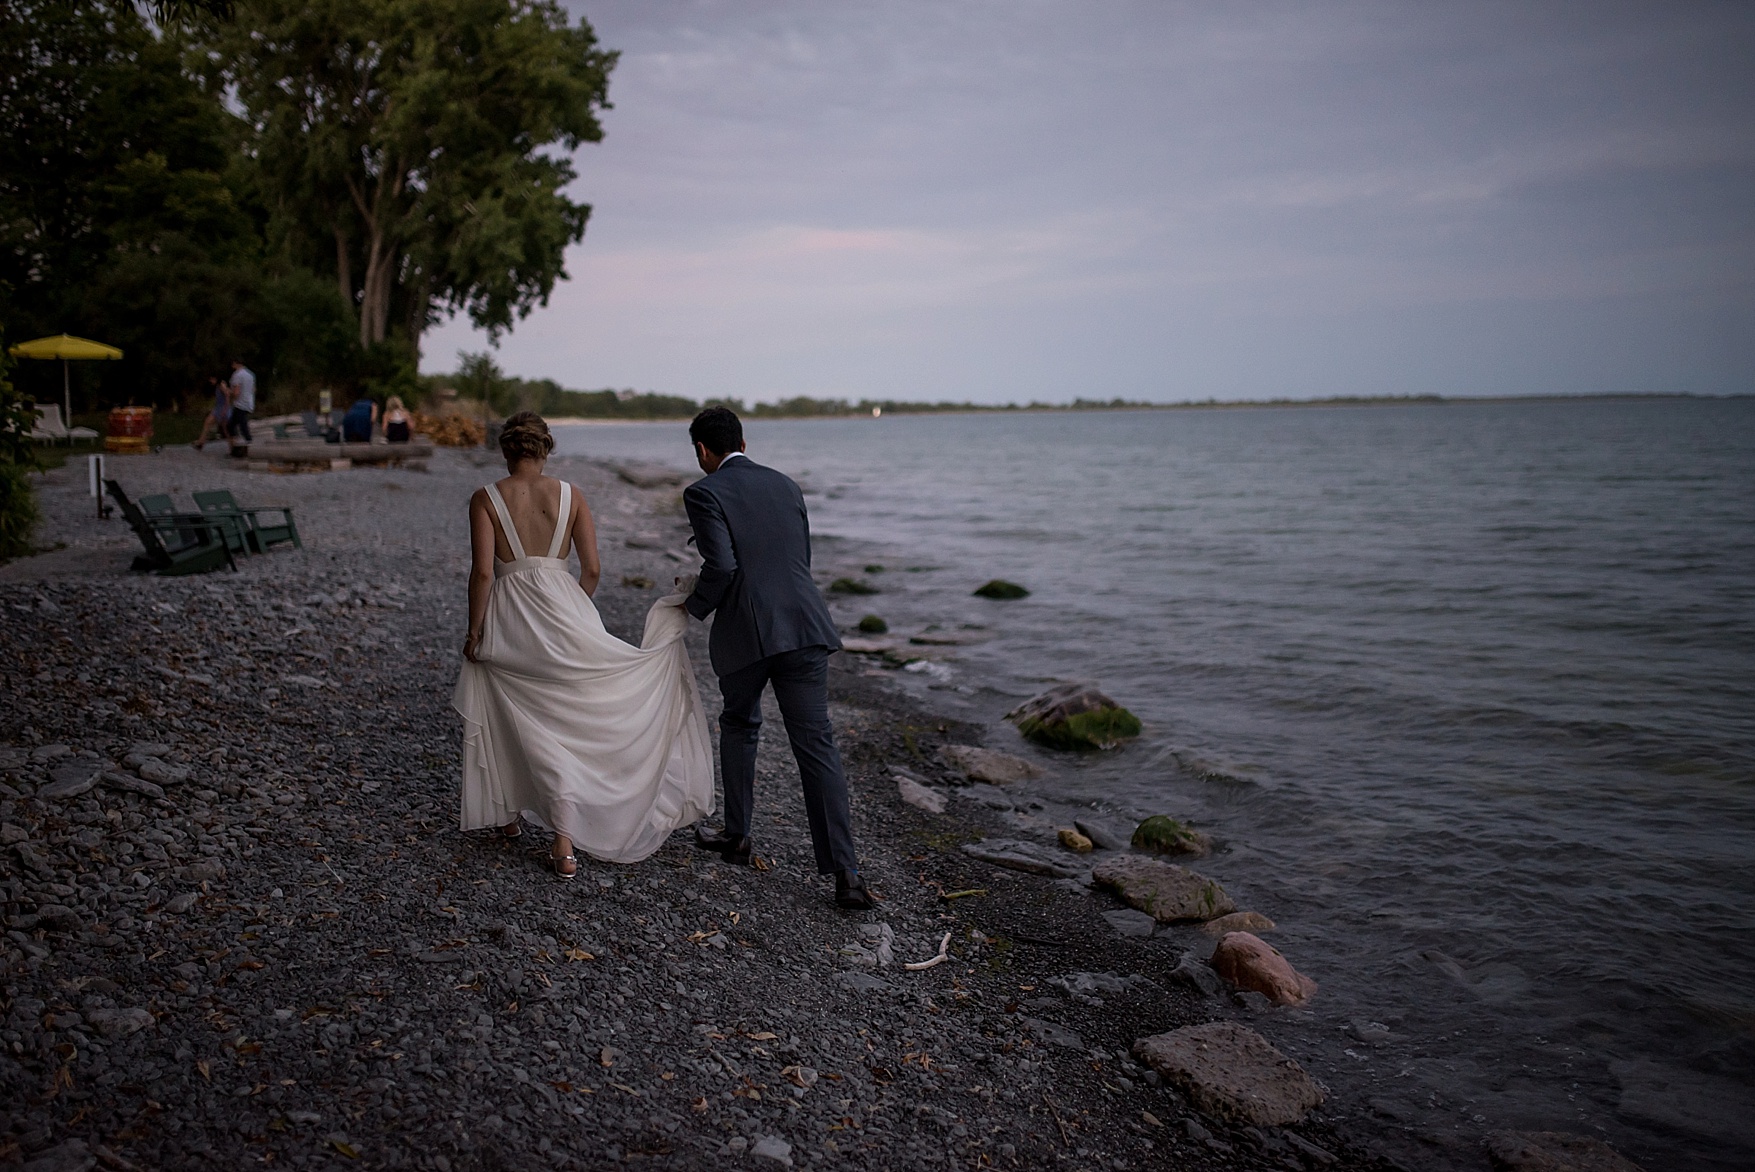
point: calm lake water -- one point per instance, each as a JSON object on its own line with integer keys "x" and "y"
{"x": 1466, "y": 692}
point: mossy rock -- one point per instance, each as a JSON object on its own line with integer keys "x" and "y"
{"x": 1000, "y": 588}
{"x": 1164, "y": 835}
{"x": 872, "y": 625}
{"x": 1075, "y": 716}
{"x": 851, "y": 586}
{"x": 874, "y": 568}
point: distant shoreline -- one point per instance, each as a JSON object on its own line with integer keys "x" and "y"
{"x": 1192, "y": 405}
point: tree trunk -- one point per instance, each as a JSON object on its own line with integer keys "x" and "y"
{"x": 380, "y": 276}
{"x": 343, "y": 266}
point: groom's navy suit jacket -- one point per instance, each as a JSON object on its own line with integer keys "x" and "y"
{"x": 754, "y": 538}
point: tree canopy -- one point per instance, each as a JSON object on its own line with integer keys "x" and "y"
{"x": 417, "y": 151}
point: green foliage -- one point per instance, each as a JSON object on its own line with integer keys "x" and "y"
{"x": 128, "y": 214}
{"x": 417, "y": 151}
{"x": 871, "y": 624}
{"x": 1001, "y": 589}
{"x": 18, "y": 506}
{"x": 18, "y": 511}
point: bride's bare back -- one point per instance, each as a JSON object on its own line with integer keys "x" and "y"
{"x": 535, "y": 505}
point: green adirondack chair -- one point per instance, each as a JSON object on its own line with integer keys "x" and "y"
{"x": 237, "y": 530}
{"x": 175, "y": 544}
{"x": 219, "y": 503}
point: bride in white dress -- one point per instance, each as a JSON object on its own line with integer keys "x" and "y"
{"x": 601, "y": 742}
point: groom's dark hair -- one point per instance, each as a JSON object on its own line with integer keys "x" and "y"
{"x": 718, "y": 429}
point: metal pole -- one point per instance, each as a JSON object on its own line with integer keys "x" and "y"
{"x": 67, "y": 399}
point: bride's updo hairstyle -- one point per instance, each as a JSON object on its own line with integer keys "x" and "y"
{"x": 526, "y": 437}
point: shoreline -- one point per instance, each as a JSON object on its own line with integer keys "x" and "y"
{"x": 312, "y": 915}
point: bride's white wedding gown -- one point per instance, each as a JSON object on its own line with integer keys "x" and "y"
{"x": 594, "y": 738}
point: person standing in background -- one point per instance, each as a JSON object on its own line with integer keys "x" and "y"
{"x": 219, "y": 416}
{"x": 243, "y": 387}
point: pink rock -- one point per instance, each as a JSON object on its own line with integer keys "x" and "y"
{"x": 1249, "y": 962}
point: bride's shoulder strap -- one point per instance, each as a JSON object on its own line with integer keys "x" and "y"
{"x": 506, "y": 527}
{"x": 563, "y": 521}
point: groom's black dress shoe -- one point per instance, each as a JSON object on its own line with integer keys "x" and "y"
{"x": 733, "y": 848}
{"x": 851, "y": 893}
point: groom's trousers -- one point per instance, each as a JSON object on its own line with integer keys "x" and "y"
{"x": 801, "y": 686}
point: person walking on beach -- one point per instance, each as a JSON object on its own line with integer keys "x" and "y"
{"x": 604, "y": 743}
{"x": 770, "y": 626}
{"x": 219, "y": 416}
{"x": 243, "y": 387}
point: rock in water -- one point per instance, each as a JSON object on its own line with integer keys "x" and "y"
{"x": 1100, "y": 835}
{"x": 1131, "y": 923}
{"x": 1238, "y": 922}
{"x": 1072, "y": 840}
{"x": 1250, "y": 962}
{"x": 1001, "y": 589}
{"x": 1165, "y": 891}
{"x": 871, "y": 624}
{"x": 1074, "y": 716}
{"x": 1164, "y": 835}
{"x": 851, "y": 586}
{"x": 1554, "y": 1151}
{"x": 919, "y": 796}
{"x": 1193, "y": 970}
{"x": 1230, "y": 1072}
{"x": 989, "y": 765}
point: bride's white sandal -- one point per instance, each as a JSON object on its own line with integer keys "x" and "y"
{"x": 567, "y": 861}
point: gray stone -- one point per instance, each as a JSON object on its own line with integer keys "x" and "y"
{"x": 1051, "y": 1034}
{"x": 74, "y": 1155}
{"x": 1100, "y": 835}
{"x": 148, "y": 749}
{"x": 1554, "y": 1151}
{"x": 770, "y": 1147}
{"x": 1193, "y": 970}
{"x": 1232, "y": 1073}
{"x": 10, "y": 834}
{"x": 163, "y": 772}
{"x": 1129, "y": 922}
{"x": 133, "y": 785}
{"x": 989, "y": 765}
{"x": 862, "y": 982}
{"x": 1166, "y": 891}
{"x": 990, "y": 796}
{"x": 179, "y": 904}
{"x": 1682, "y": 1100}
{"x": 71, "y": 778}
{"x": 1018, "y": 856}
{"x": 47, "y": 753}
{"x": 1238, "y": 922}
{"x": 920, "y": 796}
{"x": 118, "y": 1023}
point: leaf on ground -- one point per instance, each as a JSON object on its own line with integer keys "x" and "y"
{"x": 345, "y": 1148}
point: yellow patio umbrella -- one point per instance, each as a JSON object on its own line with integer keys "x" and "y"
{"x": 67, "y": 348}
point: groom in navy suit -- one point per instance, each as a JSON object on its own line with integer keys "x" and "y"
{"x": 772, "y": 627}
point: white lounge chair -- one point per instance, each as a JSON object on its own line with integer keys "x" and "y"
{"x": 49, "y": 426}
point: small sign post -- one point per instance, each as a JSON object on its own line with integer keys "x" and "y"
{"x": 95, "y": 476}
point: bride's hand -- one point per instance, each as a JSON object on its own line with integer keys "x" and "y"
{"x": 472, "y": 644}
{"x": 685, "y": 583}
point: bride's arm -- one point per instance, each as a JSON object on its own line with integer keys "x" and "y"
{"x": 585, "y": 541}
{"x": 481, "y": 569}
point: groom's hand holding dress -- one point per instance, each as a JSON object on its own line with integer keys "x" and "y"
{"x": 770, "y": 626}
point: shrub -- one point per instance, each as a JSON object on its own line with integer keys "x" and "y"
{"x": 18, "y": 511}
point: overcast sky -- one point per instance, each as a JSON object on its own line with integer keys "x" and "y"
{"x": 1043, "y": 199}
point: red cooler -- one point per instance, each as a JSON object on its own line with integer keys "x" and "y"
{"x": 130, "y": 429}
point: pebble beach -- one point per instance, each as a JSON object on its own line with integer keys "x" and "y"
{"x": 242, "y": 927}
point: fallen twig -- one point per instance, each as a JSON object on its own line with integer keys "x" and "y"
{"x": 943, "y": 951}
{"x": 947, "y": 896}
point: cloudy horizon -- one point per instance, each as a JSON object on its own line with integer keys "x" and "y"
{"x": 1043, "y": 200}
